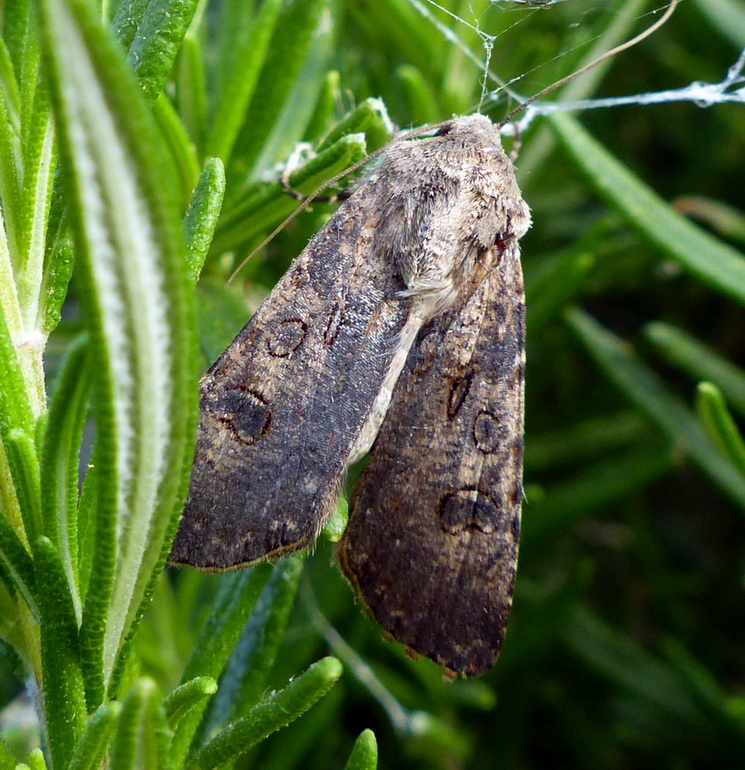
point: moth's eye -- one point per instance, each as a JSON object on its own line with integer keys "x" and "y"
{"x": 500, "y": 241}
{"x": 444, "y": 129}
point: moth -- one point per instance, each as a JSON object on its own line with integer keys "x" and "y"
{"x": 400, "y": 327}
{"x": 398, "y": 331}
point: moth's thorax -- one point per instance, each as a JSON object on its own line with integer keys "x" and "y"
{"x": 443, "y": 202}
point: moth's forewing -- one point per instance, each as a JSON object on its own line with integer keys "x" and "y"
{"x": 431, "y": 545}
{"x": 283, "y": 405}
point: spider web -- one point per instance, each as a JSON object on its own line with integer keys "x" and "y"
{"x": 496, "y": 87}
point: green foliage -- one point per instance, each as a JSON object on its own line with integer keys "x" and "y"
{"x": 139, "y": 154}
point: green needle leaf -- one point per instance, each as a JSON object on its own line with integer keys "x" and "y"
{"x": 24, "y": 462}
{"x": 646, "y": 390}
{"x": 185, "y": 697}
{"x": 261, "y": 210}
{"x": 718, "y": 422}
{"x": 7, "y": 760}
{"x": 94, "y": 743}
{"x": 299, "y": 39}
{"x": 202, "y": 215}
{"x": 36, "y": 760}
{"x": 236, "y": 598}
{"x": 700, "y": 361}
{"x": 134, "y": 294}
{"x": 246, "y": 57}
{"x": 702, "y": 255}
{"x": 277, "y": 711}
{"x": 152, "y": 33}
{"x": 63, "y": 691}
{"x": 15, "y": 408}
{"x": 142, "y": 736}
{"x": 16, "y": 561}
{"x": 364, "y": 755}
{"x": 60, "y": 459}
{"x": 244, "y": 679}
{"x": 370, "y": 118}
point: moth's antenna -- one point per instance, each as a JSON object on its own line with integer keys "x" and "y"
{"x": 607, "y": 55}
{"x": 304, "y": 205}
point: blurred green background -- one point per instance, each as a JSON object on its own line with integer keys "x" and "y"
{"x": 626, "y": 647}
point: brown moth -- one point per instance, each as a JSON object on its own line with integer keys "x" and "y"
{"x": 424, "y": 254}
{"x": 399, "y": 330}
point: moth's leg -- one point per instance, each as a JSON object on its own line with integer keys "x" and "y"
{"x": 342, "y": 195}
{"x": 517, "y": 143}
{"x": 297, "y": 159}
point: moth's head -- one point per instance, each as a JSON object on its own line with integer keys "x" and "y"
{"x": 473, "y": 129}
{"x": 497, "y": 205}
